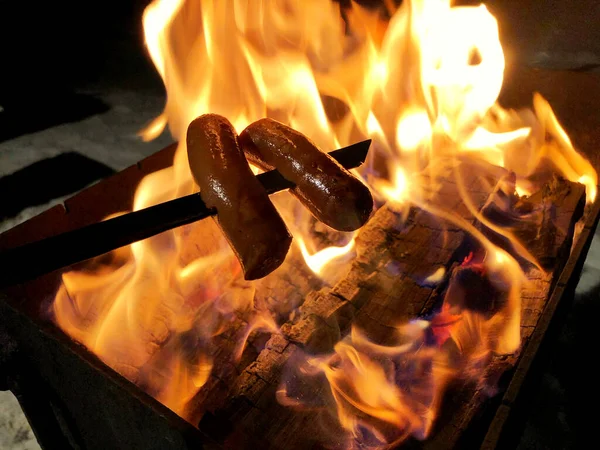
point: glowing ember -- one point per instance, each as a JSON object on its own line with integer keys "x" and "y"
{"x": 423, "y": 85}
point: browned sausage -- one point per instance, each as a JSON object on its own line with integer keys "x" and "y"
{"x": 249, "y": 220}
{"x": 331, "y": 193}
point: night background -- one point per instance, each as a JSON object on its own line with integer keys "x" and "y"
{"x": 76, "y": 85}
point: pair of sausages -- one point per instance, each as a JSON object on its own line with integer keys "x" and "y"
{"x": 250, "y": 222}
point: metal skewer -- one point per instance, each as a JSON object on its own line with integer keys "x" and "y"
{"x": 34, "y": 259}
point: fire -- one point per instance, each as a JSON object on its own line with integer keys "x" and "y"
{"x": 382, "y": 404}
{"x": 395, "y": 190}
{"x": 413, "y": 130}
{"x": 423, "y": 86}
{"x": 317, "y": 261}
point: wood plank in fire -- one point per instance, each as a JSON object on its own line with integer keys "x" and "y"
{"x": 561, "y": 205}
{"x": 384, "y": 287}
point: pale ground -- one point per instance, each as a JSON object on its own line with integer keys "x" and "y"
{"x": 547, "y": 32}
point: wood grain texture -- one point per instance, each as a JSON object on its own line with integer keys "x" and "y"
{"x": 561, "y": 205}
{"x": 384, "y": 287}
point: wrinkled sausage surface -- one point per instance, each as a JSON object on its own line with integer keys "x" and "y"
{"x": 250, "y": 222}
{"x": 331, "y": 193}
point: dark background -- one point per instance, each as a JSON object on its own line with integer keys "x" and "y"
{"x": 51, "y": 50}
{"x": 65, "y": 61}
{"x": 48, "y": 46}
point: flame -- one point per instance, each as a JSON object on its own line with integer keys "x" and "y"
{"x": 380, "y": 394}
{"x": 317, "y": 261}
{"x": 423, "y": 86}
{"x": 413, "y": 130}
{"x": 396, "y": 190}
{"x": 436, "y": 277}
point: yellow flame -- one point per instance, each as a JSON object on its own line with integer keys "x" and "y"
{"x": 317, "y": 261}
{"x": 413, "y": 129}
{"x": 396, "y": 191}
{"x": 522, "y": 191}
{"x": 436, "y": 277}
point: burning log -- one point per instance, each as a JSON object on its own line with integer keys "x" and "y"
{"x": 560, "y": 204}
{"x": 388, "y": 285}
{"x": 538, "y": 222}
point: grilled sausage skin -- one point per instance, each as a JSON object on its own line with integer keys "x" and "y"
{"x": 250, "y": 222}
{"x": 331, "y": 193}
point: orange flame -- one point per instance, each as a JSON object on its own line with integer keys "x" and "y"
{"x": 371, "y": 396}
{"x": 423, "y": 86}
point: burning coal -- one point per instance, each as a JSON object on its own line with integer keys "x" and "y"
{"x": 173, "y": 312}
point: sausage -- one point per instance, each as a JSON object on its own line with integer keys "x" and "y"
{"x": 253, "y": 227}
{"x": 331, "y": 193}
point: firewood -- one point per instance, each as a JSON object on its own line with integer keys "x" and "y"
{"x": 540, "y": 222}
{"x": 560, "y": 204}
{"x": 384, "y": 286}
